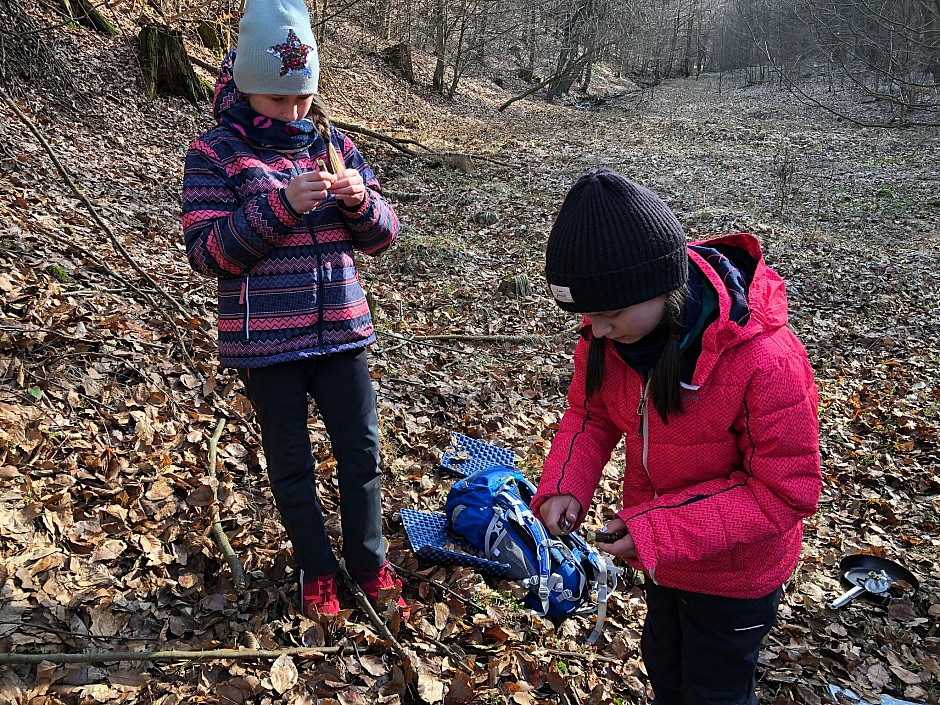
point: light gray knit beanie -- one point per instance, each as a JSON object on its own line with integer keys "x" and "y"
{"x": 277, "y": 54}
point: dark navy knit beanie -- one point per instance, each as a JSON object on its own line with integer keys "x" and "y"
{"x": 613, "y": 244}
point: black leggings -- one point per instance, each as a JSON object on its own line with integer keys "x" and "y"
{"x": 702, "y": 649}
{"x": 342, "y": 390}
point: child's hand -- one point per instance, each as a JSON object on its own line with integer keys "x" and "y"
{"x": 304, "y": 192}
{"x": 348, "y": 187}
{"x": 624, "y": 548}
{"x": 560, "y": 514}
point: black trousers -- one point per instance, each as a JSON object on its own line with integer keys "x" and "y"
{"x": 702, "y": 649}
{"x": 342, "y": 390}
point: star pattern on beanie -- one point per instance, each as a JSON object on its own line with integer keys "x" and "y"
{"x": 293, "y": 55}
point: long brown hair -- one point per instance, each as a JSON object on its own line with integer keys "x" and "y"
{"x": 666, "y": 375}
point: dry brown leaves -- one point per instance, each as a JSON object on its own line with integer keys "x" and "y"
{"x": 105, "y": 501}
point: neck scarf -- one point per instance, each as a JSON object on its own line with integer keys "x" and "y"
{"x": 261, "y": 131}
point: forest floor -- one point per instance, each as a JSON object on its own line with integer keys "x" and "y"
{"x": 110, "y": 390}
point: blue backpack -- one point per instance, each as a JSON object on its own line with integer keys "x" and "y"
{"x": 488, "y": 513}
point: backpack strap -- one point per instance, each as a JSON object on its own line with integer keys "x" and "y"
{"x": 607, "y": 574}
{"x": 521, "y": 513}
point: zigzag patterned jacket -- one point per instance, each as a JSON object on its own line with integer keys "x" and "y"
{"x": 715, "y": 498}
{"x": 288, "y": 285}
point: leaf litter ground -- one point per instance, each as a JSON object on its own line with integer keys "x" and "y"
{"x": 106, "y": 504}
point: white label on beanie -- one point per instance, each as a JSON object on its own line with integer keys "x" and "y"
{"x": 562, "y": 293}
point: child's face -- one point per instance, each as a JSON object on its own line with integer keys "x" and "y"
{"x": 286, "y": 108}
{"x": 628, "y": 325}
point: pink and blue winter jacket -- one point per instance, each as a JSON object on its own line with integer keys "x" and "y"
{"x": 288, "y": 285}
{"x": 715, "y": 498}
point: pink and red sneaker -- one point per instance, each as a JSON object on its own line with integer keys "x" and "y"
{"x": 384, "y": 578}
{"x": 318, "y": 595}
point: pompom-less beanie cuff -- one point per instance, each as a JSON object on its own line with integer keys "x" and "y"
{"x": 612, "y": 291}
{"x": 614, "y": 244}
{"x": 277, "y": 53}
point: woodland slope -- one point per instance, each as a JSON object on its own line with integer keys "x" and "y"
{"x": 110, "y": 391}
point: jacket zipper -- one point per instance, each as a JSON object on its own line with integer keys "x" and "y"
{"x": 316, "y": 244}
{"x": 243, "y": 299}
{"x": 644, "y": 430}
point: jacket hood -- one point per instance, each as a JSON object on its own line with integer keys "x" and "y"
{"x": 752, "y": 298}
{"x": 226, "y": 92}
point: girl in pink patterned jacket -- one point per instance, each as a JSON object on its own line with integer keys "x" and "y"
{"x": 685, "y": 356}
{"x": 275, "y": 205}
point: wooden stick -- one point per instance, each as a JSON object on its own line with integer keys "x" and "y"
{"x": 118, "y": 245}
{"x": 486, "y": 338}
{"x": 238, "y": 573}
{"x": 114, "y": 239}
{"x": 431, "y": 582}
{"x": 210, "y": 655}
{"x": 377, "y": 621}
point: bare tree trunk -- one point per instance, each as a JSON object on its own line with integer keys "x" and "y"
{"x": 165, "y": 66}
{"x": 383, "y": 19}
{"x": 440, "y": 47}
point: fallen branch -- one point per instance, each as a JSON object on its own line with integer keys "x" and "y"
{"x": 238, "y": 573}
{"x": 466, "y": 338}
{"x": 367, "y": 607}
{"x": 211, "y": 655}
{"x": 568, "y": 68}
{"x": 204, "y": 64}
{"x": 118, "y": 245}
{"x": 431, "y": 581}
{"x": 412, "y": 339}
{"x": 428, "y": 153}
{"x": 585, "y": 656}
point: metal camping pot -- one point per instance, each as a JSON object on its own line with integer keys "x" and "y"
{"x": 871, "y": 575}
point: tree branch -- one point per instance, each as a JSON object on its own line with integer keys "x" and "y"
{"x": 238, "y": 573}
{"x": 211, "y": 655}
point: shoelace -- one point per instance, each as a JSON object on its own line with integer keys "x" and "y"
{"x": 323, "y": 583}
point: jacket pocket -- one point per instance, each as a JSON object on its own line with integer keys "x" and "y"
{"x": 235, "y": 306}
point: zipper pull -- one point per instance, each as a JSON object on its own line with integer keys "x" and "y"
{"x": 641, "y": 409}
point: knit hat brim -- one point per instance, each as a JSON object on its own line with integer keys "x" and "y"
{"x": 612, "y": 291}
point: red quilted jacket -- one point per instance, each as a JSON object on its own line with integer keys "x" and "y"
{"x": 718, "y": 507}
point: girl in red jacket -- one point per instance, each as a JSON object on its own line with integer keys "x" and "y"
{"x": 685, "y": 357}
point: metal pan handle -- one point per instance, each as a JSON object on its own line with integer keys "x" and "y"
{"x": 847, "y": 597}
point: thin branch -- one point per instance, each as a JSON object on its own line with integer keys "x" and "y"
{"x": 367, "y": 607}
{"x": 583, "y": 59}
{"x": 467, "y": 338}
{"x": 238, "y": 573}
{"x": 585, "y": 656}
{"x": 210, "y": 655}
{"x": 359, "y": 129}
{"x": 412, "y": 339}
{"x": 114, "y": 239}
{"x": 399, "y": 144}
{"x": 118, "y": 245}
